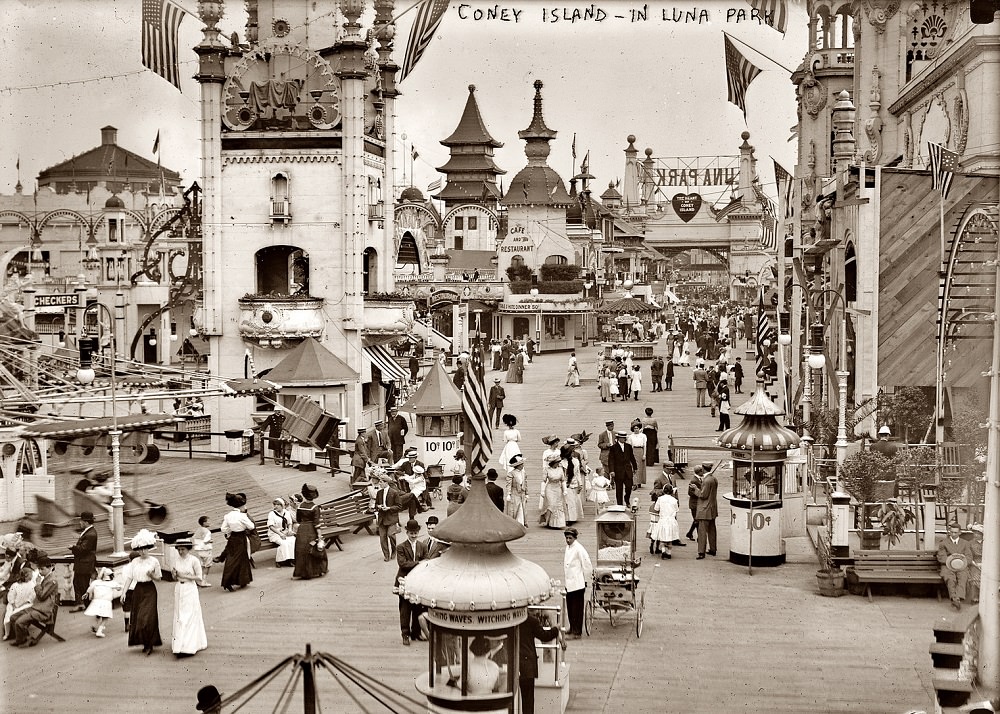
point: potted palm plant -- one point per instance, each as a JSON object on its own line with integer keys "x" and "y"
{"x": 894, "y": 517}
{"x": 866, "y": 475}
{"x": 830, "y": 576}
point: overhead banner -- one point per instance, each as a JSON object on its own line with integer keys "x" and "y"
{"x": 692, "y": 171}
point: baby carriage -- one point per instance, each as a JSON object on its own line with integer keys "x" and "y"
{"x": 433, "y": 478}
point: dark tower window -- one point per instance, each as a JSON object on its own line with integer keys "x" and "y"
{"x": 282, "y": 270}
{"x": 850, "y": 274}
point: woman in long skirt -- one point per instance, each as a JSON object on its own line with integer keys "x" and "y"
{"x": 189, "y": 627}
{"x": 638, "y": 441}
{"x": 516, "y": 371}
{"x": 574, "y": 485}
{"x": 666, "y": 530}
{"x": 236, "y": 572}
{"x": 309, "y": 562}
{"x": 553, "y": 511}
{"x": 140, "y": 594}
{"x": 604, "y": 382}
{"x": 280, "y": 532}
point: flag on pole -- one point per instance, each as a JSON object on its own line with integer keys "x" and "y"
{"x": 739, "y": 73}
{"x": 434, "y": 186}
{"x": 769, "y": 221}
{"x": 477, "y": 416}
{"x": 428, "y": 20}
{"x": 944, "y": 164}
{"x": 574, "y": 147}
{"x": 414, "y": 154}
{"x": 156, "y": 143}
{"x": 763, "y": 330}
{"x": 774, "y": 13}
{"x": 160, "y": 21}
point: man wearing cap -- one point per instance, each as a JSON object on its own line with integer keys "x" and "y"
{"x": 435, "y": 547}
{"x": 378, "y": 441}
{"x": 361, "y": 457}
{"x": 883, "y": 446}
{"x": 495, "y": 401}
{"x": 397, "y": 428}
{"x": 387, "y": 508}
{"x": 84, "y": 559}
{"x": 42, "y": 611}
{"x": 621, "y": 468}
{"x": 708, "y": 511}
{"x": 605, "y": 442}
{"x": 577, "y": 570}
{"x": 408, "y": 553}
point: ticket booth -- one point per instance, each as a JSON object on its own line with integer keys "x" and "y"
{"x": 476, "y": 596}
{"x": 759, "y": 446}
{"x": 437, "y": 413}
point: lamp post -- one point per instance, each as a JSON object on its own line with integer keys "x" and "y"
{"x": 86, "y": 375}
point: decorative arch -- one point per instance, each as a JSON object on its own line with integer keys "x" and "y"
{"x": 64, "y": 213}
{"x": 281, "y": 270}
{"x": 850, "y": 272}
{"x": 161, "y": 218}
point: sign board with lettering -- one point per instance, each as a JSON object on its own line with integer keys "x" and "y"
{"x": 441, "y": 450}
{"x": 478, "y": 619}
{"x": 695, "y": 171}
{"x": 74, "y": 299}
{"x": 542, "y": 307}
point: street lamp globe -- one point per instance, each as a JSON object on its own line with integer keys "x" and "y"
{"x": 784, "y": 339}
{"x": 85, "y": 375}
{"x": 817, "y": 360}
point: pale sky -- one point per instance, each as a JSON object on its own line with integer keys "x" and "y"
{"x": 73, "y": 66}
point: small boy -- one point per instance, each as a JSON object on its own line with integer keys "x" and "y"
{"x": 203, "y": 549}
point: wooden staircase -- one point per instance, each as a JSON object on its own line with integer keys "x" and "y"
{"x": 953, "y": 658}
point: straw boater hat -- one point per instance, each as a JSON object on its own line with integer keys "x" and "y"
{"x": 554, "y": 459}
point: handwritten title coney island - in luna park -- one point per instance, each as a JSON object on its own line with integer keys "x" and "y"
{"x": 615, "y": 12}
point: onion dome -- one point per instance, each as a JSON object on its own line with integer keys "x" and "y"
{"x": 759, "y": 430}
{"x": 477, "y": 572}
{"x": 114, "y": 202}
{"x": 411, "y": 193}
{"x": 537, "y": 184}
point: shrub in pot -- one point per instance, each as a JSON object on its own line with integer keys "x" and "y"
{"x": 862, "y": 475}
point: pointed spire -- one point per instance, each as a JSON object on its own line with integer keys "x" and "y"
{"x": 471, "y": 128}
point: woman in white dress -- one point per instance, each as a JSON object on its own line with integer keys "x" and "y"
{"x": 553, "y": 511}
{"x": 635, "y": 382}
{"x": 685, "y": 358}
{"x": 638, "y": 442}
{"x": 511, "y": 446}
{"x": 189, "y": 627}
{"x": 279, "y": 532}
{"x": 574, "y": 484}
{"x": 666, "y": 531}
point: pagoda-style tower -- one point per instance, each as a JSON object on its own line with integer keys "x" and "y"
{"x": 470, "y": 172}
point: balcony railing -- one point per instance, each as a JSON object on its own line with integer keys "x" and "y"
{"x": 272, "y": 320}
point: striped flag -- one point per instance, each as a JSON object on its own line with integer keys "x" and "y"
{"x": 434, "y": 185}
{"x": 160, "y": 22}
{"x": 944, "y": 164}
{"x": 739, "y": 73}
{"x": 429, "y": 16}
{"x": 769, "y": 221}
{"x": 477, "y": 417}
{"x": 785, "y": 190}
{"x": 774, "y": 13}
{"x": 156, "y": 143}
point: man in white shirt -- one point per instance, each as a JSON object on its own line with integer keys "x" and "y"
{"x": 572, "y": 372}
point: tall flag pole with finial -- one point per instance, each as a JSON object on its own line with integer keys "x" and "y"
{"x": 478, "y": 432}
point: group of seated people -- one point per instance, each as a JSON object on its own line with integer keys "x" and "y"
{"x": 29, "y": 591}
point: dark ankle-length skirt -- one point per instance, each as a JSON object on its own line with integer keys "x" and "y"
{"x": 236, "y": 571}
{"x": 144, "y": 625}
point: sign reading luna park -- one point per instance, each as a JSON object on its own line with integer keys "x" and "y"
{"x": 693, "y": 171}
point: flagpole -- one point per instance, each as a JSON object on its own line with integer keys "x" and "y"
{"x": 942, "y": 329}
{"x": 773, "y": 61}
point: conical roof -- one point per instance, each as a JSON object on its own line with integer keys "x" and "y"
{"x": 471, "y": 128}
{"x": 759, "y": 430}
{"x": 310, "y": 363}
{"x": 537, "y": 184}
{"x": 437, "y": 394}
{"x": 631, "y": 305}
{"x": 478, "y": 520}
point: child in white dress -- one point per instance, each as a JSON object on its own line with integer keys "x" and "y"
{"x": 20, "y": 597}
{"x": 204, "y": 549}
{"x": 599, "y": 486}
{"x": 102, "y": 594}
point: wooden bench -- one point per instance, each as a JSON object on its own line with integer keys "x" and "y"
{"x": 328, "y": 528}
{"x": 265, "y": 544}
{"x": 348, "y": 512}
{"x": 895, "y": 566}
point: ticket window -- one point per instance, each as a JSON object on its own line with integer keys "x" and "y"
{"x": 444, "y": 425}
{"x": 473, "y": 663}
{"x": 757, "y": 482}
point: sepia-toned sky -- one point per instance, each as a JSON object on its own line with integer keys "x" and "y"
{"x": 73, "y": 66}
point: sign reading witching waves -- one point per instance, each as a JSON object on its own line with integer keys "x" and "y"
{"x": 692, "y": 171}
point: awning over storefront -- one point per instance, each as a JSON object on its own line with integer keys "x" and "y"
{"x": 671, "y": 296}
{"x": 380, "y": 357}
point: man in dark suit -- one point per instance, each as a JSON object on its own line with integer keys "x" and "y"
{"x": 387, "y": 508}
{"x": 495, "y": 401}
{"x": 378, "y": 442}
{"x": 656, "y": 374}
{"x": 527, "y": 632}
{"x": 604, "y": 442}
{"x": 84, "y": 559}
{"x": 408, "y": 553}
{"x": 361, "y": 457}
{"x": 435, "y": 547}
{"x": 42, "y": 611}
{"x": 397, "y": 427}
{"x": 708, "y": 511}
{"x": 495, "y": 491}
{"x": 956, "y": 580}
{"x": 621, "y": 467}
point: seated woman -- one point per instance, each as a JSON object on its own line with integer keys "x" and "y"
{"x": 484, "y": 673}
{"x": 279, "y": 532}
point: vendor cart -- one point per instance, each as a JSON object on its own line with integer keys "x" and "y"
{"x": 616, "y": 584}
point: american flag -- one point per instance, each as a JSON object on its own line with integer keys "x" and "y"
{"x": 429, "y": 16}
{"x": 160, "y": 22}
{"x": 739, "y": 73}
{"x": 434, "y": 186}
{"x": 477, "y": 417}
{"x": 769, "y": 221}
{"x": 774, "y": 13}
{"x": 944, "y": 164}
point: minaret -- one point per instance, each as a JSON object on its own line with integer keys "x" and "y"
{"x": 631, "y": 182}
{"x": 537, "y": 184}
{"x": 211, "y": 76}
{"x": 470, "y": 172}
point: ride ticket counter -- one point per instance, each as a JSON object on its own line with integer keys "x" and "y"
{"x": 759, "y": 446}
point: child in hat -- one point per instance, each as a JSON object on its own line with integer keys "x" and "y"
{"x": 102, "y": 593}
{"x": 599, "y": 486}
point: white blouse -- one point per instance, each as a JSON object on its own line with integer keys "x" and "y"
{"x": 236, "y": 521}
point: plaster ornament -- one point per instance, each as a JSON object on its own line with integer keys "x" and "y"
{"x": 878, "y": 15}
{"x": 813, "y": 95}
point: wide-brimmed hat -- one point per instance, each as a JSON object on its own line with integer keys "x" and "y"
{"x": 548, "y": 440}
{"x": 208, "y": 697}
{"x": 309, "y": 492}
{"x": 236, "y": 500}
{"x": 143, "y": 539}
{"x": 581, "y": 437}
{"x": 516, "y": 460}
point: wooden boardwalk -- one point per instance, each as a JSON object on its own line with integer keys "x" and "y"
{"x": 715, "y": 638}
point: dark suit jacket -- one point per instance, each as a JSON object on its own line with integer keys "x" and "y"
{"x": 378, "y": 441}
{"x": 497, "y": 396}
{"x": 527, "y": 632}
{"x": 85, "y": 551}
{"x": 408, "y": 556}
{"x": 708, "y": 506}
{"x": 605, "y": 440}
{"x": 946, "y": 548}
{"x": 436, "y": 548}
{"x": 46, "y": 595}
{"x": 397, "y": 428}
{"x": 496, "y": 494}
{"x": 387, "y": 514}
{"x": 621, "y": 462}
{"x": 362, "y": 452}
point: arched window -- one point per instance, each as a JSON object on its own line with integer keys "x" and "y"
{"x": 369, "y": 268}
{"x": 850, "y": 273}
{"x": 517, "y": 260}
{"x": 407, "y": 257}
{"x": 282, "y": 270}
{"x": 556, "y": 260}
